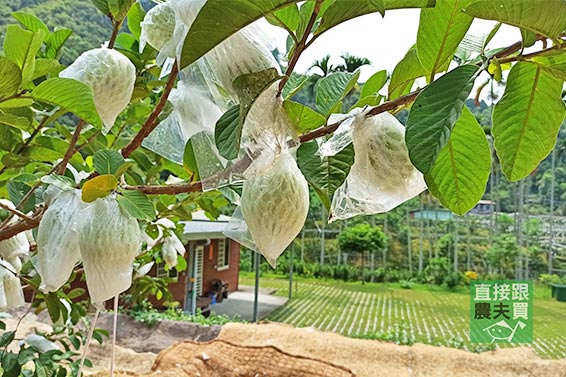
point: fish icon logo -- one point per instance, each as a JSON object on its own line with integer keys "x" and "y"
{"x": 502, "y": 331}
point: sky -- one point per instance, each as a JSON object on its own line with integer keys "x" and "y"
{"x": 383, "y": 40}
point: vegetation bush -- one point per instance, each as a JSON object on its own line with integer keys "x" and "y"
{"x": 453, "y": 279}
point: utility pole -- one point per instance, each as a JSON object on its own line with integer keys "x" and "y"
{"x": 519, "y": 229}
{"x": 322, "y": 237}
{"x": 409, "y": 242}
{"x": 551, "y": 225}
{"x": 421, "y": 226}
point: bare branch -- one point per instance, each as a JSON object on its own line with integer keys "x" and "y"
{"x": 300, "y": 47}
{"x": 15, "y": 212}
{"x": 151, "y": 121}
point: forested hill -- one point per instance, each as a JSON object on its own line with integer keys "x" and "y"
{"x": 89, "y": 26}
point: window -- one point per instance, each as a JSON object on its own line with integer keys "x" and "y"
{"x": 163, "y": 273}
{"x": 223, "y": 261}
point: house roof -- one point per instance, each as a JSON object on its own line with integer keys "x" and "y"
{"x": 201, "y": 227}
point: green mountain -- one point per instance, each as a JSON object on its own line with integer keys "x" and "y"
{"x": 90, "y": 28}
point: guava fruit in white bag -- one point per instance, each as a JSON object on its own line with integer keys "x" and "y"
{"x": 109, "y": 240}
{"x": 275, "y": 206}
{"x": 157, "y": 30}
{"x": 382, "y": 176}
{"x": 111, "y": 77}
{"x": 58, "y": 249}
{"x": 11, "y": 292}
{"x": 16, "y": 245}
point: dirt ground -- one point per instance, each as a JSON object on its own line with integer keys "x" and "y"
{"x": 275, "y": 350}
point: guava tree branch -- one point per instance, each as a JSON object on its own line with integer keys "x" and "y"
{"x": 300, "y": 47}
{"x": 151, "y": 121}
{"x": 149, "y": 125}
{"x": 71, "y": 149}
{"x": 15, "y": 212}
{"x": 116, "y": 25}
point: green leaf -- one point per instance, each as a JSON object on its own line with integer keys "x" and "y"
{"x": 122, "y": 169}
{"x": 10, "y": 365}
{"x": 344, "y": 10}
{"x": 30, "y": 22}
{"x": 53, "y": 306}
{"x": 402, "y": 4}
{"x": 72, "y": 95}
{"x": 228, "y": 133}
{"x": 528, "y": 37}
{"x": 107, "y": 161}
{"x": 98, "y": 187}
{"x": 459, "y": 176}
{"x": 552, "y": 61}
{"x": 119, "y": 8}
{"x": 7, "y": 338}
{"x": 59, "y": 181}
{"x": 102, "y": 6}
{"x": 10, "y": 77}
{"x": 441, "y": 29}
{"x": 15, "y": 103}
{"x": 17, "y": 189}
{"x": 287, "y": 18}
{"x": 374, "y": 84}
{"x": 527, "y": 118}
{"x": 21, "y": 46}
{"x": 15, "y": 121}
{"x": 373, "y": 100}
{"x": 293, "y": 85}
{"x": 136, "y": 204}
{"x": 250, "y": 86}
{"x": 135, "y": 17}
{"x": 210, "y": 27}
{"x": 302, "y": 117}
{"x": 327, "y": 174}
{"x": 405, "y": 73}
{"x": 56, "y": 41}
{"x": 546, "y": 17}
{"x": 434, "y": 113}
{"x": 190, "y": 160}
{"x": 43, "y": 67}
{"x": 333, "y": 88}
{"x": 305, "y": 12}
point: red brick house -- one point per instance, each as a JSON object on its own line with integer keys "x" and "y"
{"x": 211, "y": 257}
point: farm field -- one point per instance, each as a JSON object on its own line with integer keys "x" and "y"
{"x": 425, "y": 314}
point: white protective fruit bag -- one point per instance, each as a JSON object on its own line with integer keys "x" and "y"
{"x": 275, "y": 197}
{"x": 246, "y": 51}
{"x": 11, "y": 292}
{"x": 157, "y": 30}
{"x": 111, "y": 77}
{"x": 58, "y": 249}
{"x": 382, "y": 176}
{"x": 16, "y": 246}
{"x": 194, "y": 117}
{"x": 109, "y": 240}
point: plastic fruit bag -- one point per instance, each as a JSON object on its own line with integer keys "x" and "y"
{"x": 111, "y": 76}
{"x": 382, "y": 176}
{"x": 172, "y": 245}
{"x": 109, "y": 240}
{"x": 58, "y": 240}
{"x": 15, "y": 246}
{"x": 11, "y": 292}
{"x": 157, "y": 30}
{"x": 242, "y": 53}
{"x": 274, "y": 207}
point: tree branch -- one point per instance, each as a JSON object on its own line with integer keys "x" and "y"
{"x": 115, "y": 29}
{"x": 149, "y": 125}
{"x": 300, "y": 47}
{"x": 151, "y": 121}
{"x": 71, "y": 149}
{"x": 15, "y": 212}
{"x": 21, "y": 226}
